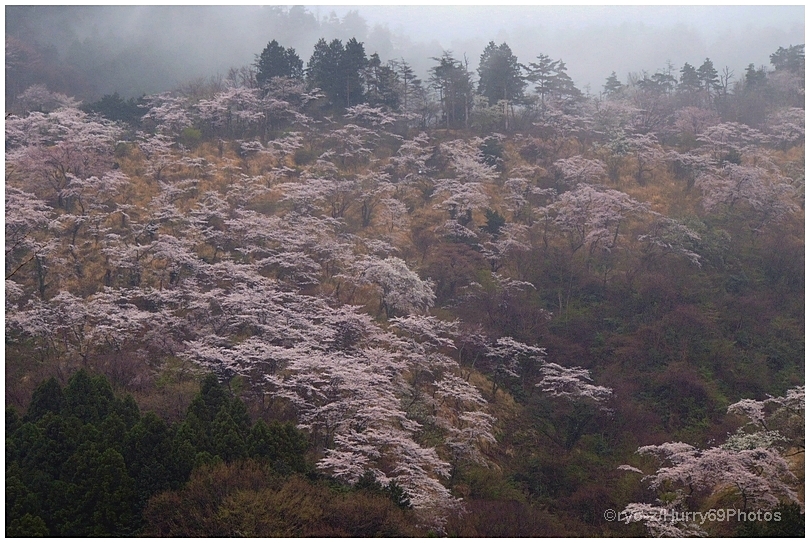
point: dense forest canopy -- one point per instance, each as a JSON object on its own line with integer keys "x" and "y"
{"x": 477, "y": 303}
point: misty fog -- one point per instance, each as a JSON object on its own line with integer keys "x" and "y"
{"x": 145, "y": 49}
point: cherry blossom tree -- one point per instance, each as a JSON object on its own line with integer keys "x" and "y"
{"x": 46, "y": 151}
{"x": 168, "y": 114}
{"x": 401, "y": 290}
{"x": 778, "y": 421}
{"x": 371, "y": 117}
{"x": 511, "y": 240}
{"x": 748, "y": 465}
{"x": 760, "y": 477}
{"x": 591, "y": 217}
{"x": 571, "y": 383}
{"x": 765, "y": 196}
{"x": 661, "y": 522}
{"x": 647, "y": 152}
{"x": 233, "y": 112}
{"x": 689, "y": 166}
{"x": 668, "y": 236}
{"x": 350, "y": 145}
{"x": 785, "y": 127}
{"x": 578, "y": 169}
{"x": 692, "y": 121}
{"x": 512, "y": 359}
{"x": 467, "y": 161}
{"x": 69, "y": 325}
{"x": 411, "y": 158}
{"x": 344, "y": 375}
{"x": 27, "y": 219}
{"x": 39, "y": 98}
{"x": 728, "y": 141}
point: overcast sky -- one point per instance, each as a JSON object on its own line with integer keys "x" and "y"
{"x": 142, "y": 48}
{"x": 596, "y": 40}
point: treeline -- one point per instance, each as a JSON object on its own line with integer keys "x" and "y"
{"x": 85, "y": 462}
{"x": 346, "y": 76}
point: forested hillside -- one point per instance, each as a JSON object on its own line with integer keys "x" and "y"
{"x": 483, "y": 304}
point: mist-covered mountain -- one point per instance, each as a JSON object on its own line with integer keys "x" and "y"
{"x": 89, "y": 51}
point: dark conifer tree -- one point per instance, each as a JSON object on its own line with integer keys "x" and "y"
{"x": 323, "y": 69}
{"x": 275, "y": 61}
{"x": 790, "y": 59}
{"x": 353, "y": 63}
{"x": 709, "y": 80}
{"x": 454, "y": 83}
{"x": 499, "y": 76}
{"x": 382, "y": 84}
{"x": 690, "y": 81}
{"x": 338, "y": 71}
{"x": 612, "y": 85}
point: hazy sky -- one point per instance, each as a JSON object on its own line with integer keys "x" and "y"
{"x": 595, "y": 40}
{"x": 142, "y": 48}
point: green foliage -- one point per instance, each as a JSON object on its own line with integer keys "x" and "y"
{"x": 246, "y": 499}
{"x": 612, "y": 84}
{"x": 492, "y": 151}
{"x": 116, "y": 108}
{"x": 47, "y": 398}
{"x": 495, "y": 221}
{"x": 83, "y": 463}
{"x": 190, "y": 137}
{"x": 281, "y": 444}
{"x": 87, "y": 397}
{"x": 12, "y": 420}
{"x": 27, "y": 526}
{"x": 337, "y": 71}
{"x": 383, "y": 84}
{"x": 790, "y": 59}
{"x": 499, "y": 74}
{"x": 790, "y": 524}
{"x": 275, "y": 61}
{"x": 368, "y": 482}
{"x": 454, "y": 83}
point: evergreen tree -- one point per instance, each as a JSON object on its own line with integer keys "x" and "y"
{"x": 410, "y": 85}
{"x": 84, "y": 463}
{"x": 612, "y": 85}
{"x": 790, "y": 59}
{"x": 353, "y": 63}
{"x": 552, "y": 80}
{"x": 454, "y": 83}
{"x": 382, "y": 84}
{"x": 212, "y": 397}
{"x": 88, "y": 397}
{"x": 338, "y": 71}
{"x": 282, "y": 444}
{"x": 709, "y": 80}
{"x": 323, "y": 69}
{"x": 755, "y": 78}
{"x": 275, "y": 61}
{"x": 542, "y": 74}
{"x": 563, "y": 86}
{"x": 48, "y": 397}
{"x": 150, "y": 458}
{"x": 230, "y": 430}
{"x": 499, "y": 76}
{"x": 99, "y": 497}
{"x": 116, "y": 108}
{"x": 690, "y": 80}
